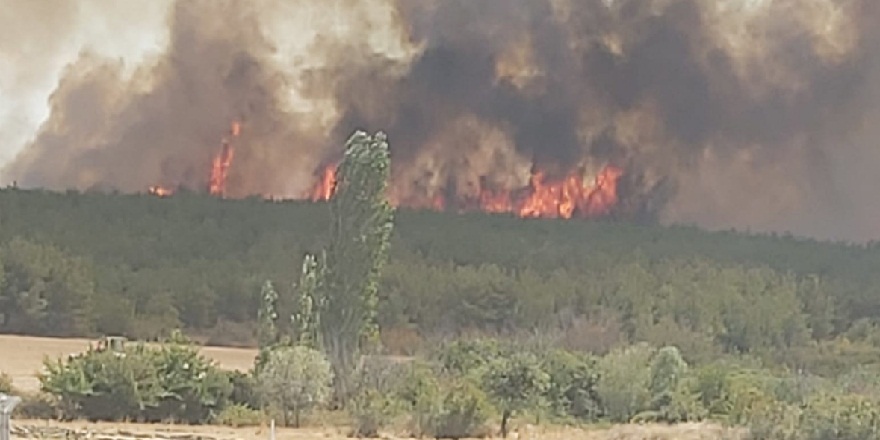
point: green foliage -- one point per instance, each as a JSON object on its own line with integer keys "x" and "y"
{"x": 465, "y": 356}
{"x": 840, "y": 418}
{"x": 670, "y": 400}
{"x": 420, "y": 392}
{"x": 267, "y": 317}
{"x": 463, "y": 412}
{"x": 238, "y": 416}
{"x": 572, "y": 388}
{"x": 295, "y": 380}
{"x": 516, "y": 383}
{"x": 624, "y": 382}
{"x": 172, "y": 382}
{"x": 376, "y": 400}
{"x": 244, "y": 390}
{"x": 43, "y": 290}
{"x": 137, "y": 265}
{"x": 305, "y": 319}
{"x": 372, "y": 410}
{"x": 823, "y": 417}
{"x": 361, "y": 221}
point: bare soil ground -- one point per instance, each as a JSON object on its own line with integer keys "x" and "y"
{"x": 22, "y": 356}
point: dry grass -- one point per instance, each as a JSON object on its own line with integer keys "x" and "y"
{"x": 622, "y": 432}
{"x": 22, "y": 356}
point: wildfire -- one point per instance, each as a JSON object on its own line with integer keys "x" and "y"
{"x": 544, "y": 197}
{"x": 222, "y": 162}
{"x": 564, "y": 198}
{"x": 160, "y": 191}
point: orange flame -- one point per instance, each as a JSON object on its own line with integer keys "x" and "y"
{"x": 222, "y": 162}
{"x": 160, "y": 191}
{"x": 565, "y": 198}
{"x": 324, "y": 188}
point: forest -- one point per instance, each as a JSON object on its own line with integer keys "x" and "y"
{"x": 82, "y": 264}
{"x": 502, "y": 318}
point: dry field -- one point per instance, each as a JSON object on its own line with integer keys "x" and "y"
{"x": 22, "y": 356}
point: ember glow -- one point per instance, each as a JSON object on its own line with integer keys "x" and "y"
{"x": 160, "y": 191}
{"x": 569, "y": 197}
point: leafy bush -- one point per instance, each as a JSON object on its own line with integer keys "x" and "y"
{"x": 192, "y": 388}
{"x": 172, "y": 382}
{"x": 823, "y": 417}
{"x": 244, "y": 390}
{"x": 572, "y": 388}
{"x": 420, "y": 392}
{"x": 376, "y": 403}
{"x": 515, "y": 383}
{"x": 371, "y": 411}
{"x": 840, "y": 418}
{"x": 624, "y": 382}
{"x": 295, "y": 380}
{"x": 239, "y": 415}
{"x": 463, "y": 412}
{"x": 467, "y": 356}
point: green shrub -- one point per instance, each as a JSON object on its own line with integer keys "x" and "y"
{"x": 173, "y": 382}
{"x": 463, "y": 412}
{"x": 572, "y": 388}
{"x": 371, "y": 411}
{"x": 38, "y": 406}
{"x": 375, "y": 403}
{"x": 239, "y": 415}
{"x": 294, "y": 380}
{"x": 515, "y": 383}
{"x": 244, "y": 389}
{"x": 462, "y": 357}
{"x": 850, "y": 417}
{"x": 624, "y": 382}
{"x": 421, "y": 394}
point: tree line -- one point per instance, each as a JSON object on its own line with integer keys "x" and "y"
{"x": 82, "y": 264}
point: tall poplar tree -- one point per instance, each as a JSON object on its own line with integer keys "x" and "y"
{"x": 361, "y": 221}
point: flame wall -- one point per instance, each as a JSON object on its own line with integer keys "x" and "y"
{"x": 744, "y": 113}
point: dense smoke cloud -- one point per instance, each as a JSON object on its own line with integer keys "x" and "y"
{"x": 738, "y": 113}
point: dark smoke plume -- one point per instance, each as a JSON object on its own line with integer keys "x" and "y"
{"x": 743, "y": 113}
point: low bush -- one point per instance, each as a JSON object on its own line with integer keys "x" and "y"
{"x": 171, "y": 383}
{"x": 239, "y": 416}
{"x": 38, "y": 406}
{"x": 462, "y": 413}
{"x": 624, "y": 382}
{"x": 371, "y": 411}
{"x": 571, "y": 392}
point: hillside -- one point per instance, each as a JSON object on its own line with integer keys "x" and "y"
{"x": 82, "y": 264}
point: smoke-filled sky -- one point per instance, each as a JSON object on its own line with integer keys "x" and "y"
{"x": 758, "y": 114}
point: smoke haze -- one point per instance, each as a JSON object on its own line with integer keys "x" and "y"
{"x": 734, "y": 113}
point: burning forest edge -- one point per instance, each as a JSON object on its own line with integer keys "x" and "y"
{"x": 570, "y": 196}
